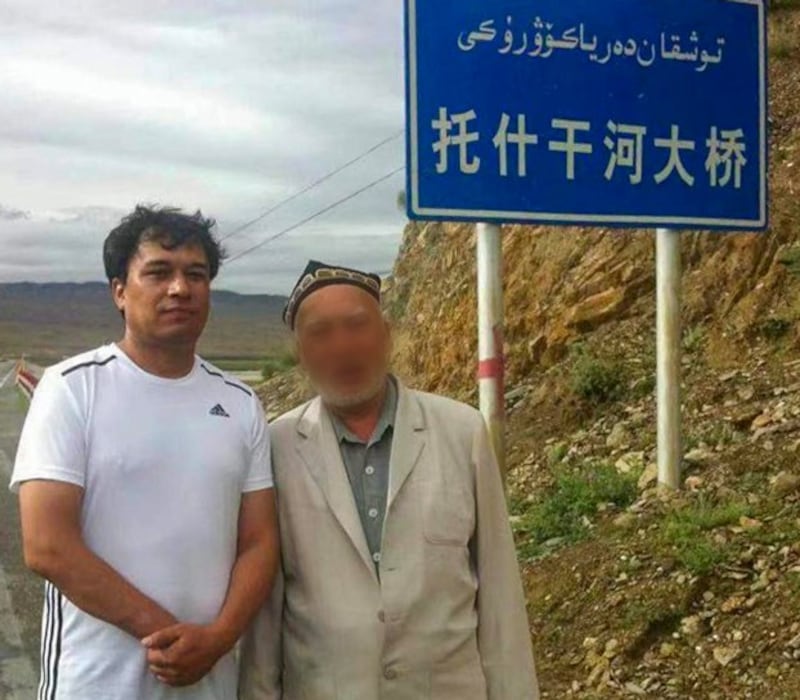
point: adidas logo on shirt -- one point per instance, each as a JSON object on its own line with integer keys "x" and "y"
{"x": 219, "y": 411}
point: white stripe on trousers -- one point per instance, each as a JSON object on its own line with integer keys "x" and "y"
{"x": 51, "y": 642}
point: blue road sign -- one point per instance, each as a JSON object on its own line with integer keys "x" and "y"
{"x": 599, "y": 112}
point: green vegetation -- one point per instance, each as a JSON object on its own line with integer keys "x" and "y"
{"x": 781, "y": 48}
{"x": 398, "y": 301}
{"x": 790, "y": 258}
{"x": 556, "y": 453}
{"x": 783, "y": 36}
{"x": 661, "y": 615}
{"x": 693, "y": 339}
{"x": 719, "y": 433}
{"x": 687, "y": 531}
{"x": 238, "y": 364}
{"x": 773, "y": 328}
{"x": 562, "y": 511}
{"x": 267, "y": 367}
{"x": 278, "y": 364}
{"x": 777, "y": 5}
{"x": 644, "y": 387}
{"x": 596, "y": 380}
{"x": 781, "y": 531}
{"x": 22, "y": 402}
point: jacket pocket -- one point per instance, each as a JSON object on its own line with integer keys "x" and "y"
{"x": 450, "y": 520}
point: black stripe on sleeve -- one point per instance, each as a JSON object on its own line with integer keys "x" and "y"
{"x": 239, "y": 387}
{"x": 97, "y": 363}
{"x": 222, "y": 377}
{"x": 214, "y": 374}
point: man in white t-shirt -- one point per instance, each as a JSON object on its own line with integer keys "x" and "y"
{"x": 145, "y": 488}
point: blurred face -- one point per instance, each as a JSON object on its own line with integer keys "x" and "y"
{"x": 165, "y": 297}
{"x": 344, "y": 344}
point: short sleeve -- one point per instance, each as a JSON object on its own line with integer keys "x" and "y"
{"x": 259, "y": 471}
{"x": 52, "y": 445}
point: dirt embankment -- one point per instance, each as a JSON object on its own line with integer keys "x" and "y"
{"x": 631, "y": 593}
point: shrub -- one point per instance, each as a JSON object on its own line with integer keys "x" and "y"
{"x": 597, "y": 380}
{"x": 562, "y": 510}
{"x": 693, "y": 339}
{"x": 686, "y": 531}
{"x": 773, "y": 328}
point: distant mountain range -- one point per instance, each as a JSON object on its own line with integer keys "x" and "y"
{"x": 51, "y": 320}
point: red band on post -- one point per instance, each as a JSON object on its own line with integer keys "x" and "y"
{"x": 491, "y": 369}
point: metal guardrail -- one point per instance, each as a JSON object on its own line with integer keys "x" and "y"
{"x": 25, "y": 379}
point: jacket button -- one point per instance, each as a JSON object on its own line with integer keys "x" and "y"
{"x": 382, "y": 616}
{"x": 389, "y": 674}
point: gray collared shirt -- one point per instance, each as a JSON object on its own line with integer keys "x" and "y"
{"x": 367, "y": 465}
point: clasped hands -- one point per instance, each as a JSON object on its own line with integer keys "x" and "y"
{"x": 182, "y": 654}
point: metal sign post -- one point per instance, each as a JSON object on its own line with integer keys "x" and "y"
{"x": 571, "y": 112}
{"x": 668, "y": 356}
{"x": 491, "y": 364}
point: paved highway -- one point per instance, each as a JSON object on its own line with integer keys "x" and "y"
{"x": 20, "y": 591}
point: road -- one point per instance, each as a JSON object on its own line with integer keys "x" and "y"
{"x": 20, "y": 591}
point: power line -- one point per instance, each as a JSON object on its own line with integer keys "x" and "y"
{"x": 315, "y": 215}
{"x": 314, "y": 184}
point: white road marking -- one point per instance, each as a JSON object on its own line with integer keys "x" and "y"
{"x": 5, "y": 379}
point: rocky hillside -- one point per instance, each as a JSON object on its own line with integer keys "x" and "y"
{"x": 632, "y": 592}
{"x": 562, "y": 284}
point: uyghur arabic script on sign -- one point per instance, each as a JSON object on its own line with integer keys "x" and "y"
{"x": 543, "y": 43}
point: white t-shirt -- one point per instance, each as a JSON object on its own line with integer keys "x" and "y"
{"x": 163, "y": 464}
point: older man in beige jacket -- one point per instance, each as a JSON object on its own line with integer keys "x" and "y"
{"x": 399, "y": 577}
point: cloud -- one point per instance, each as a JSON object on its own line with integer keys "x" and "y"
{"x": 228, "y": 107}
{"x": 10, "y": 214}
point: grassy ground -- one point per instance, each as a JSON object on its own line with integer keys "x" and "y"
{"x": 238, "y": 364}
{"x": 280, "y": 360}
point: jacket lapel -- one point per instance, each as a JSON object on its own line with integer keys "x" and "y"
{"x": 407, "y": 443}
{"x": 320, "y": 452}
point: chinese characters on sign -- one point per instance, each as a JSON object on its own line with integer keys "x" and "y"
{"x": 626, "y": 144}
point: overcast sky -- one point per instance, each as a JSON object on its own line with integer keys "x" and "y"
{"x": 224, "y": 105}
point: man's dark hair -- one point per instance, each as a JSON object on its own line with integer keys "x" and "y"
{"x": 168, "y": 226}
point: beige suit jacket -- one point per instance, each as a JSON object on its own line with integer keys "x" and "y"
{"x": 445, "y": 620}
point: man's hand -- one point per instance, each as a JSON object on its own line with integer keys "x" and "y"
{"x": 182, "y": 654}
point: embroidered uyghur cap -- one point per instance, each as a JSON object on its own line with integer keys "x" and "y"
{"x": 317, "y": 275}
